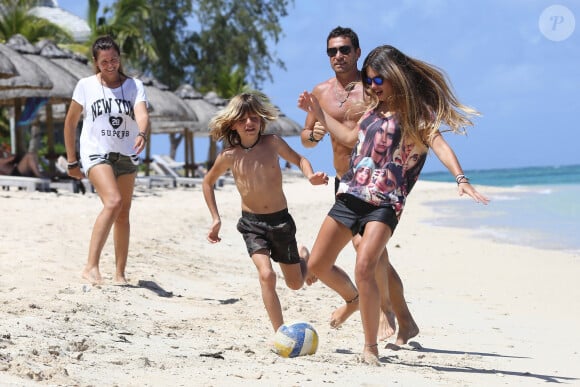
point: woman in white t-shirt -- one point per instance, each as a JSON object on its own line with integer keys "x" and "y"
{"x": 114, "y": 132}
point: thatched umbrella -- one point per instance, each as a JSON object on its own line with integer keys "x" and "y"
{"x": 76, "y": 64}
{"x": 284, "y": 126}
{"x": 168, "y": 114}
{"x": 73, "y": 63}
{"x": 7, "y": 68}
{"x": 215, "y": 99}
{"x": 63, "y": 83}
{"x": 30, "y": 80}
{"x": 204, "y": 111}
{"x": 218, "y": 102}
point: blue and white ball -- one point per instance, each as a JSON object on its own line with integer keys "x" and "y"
{"x": 296, "y": 339}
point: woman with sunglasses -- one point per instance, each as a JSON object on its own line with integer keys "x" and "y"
{"x": 341, "y": 96}
{"x": 416, "y": 98}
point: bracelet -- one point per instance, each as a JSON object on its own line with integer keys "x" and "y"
{"x": 142, "y": 134}
{"x": 72, "y": 165}
{"x": 311, "y": 138}
{"x": 461, "y": 178}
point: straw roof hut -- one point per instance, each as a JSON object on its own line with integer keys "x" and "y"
{"x": 31, "y": 80}
{"x": 63, "y": 82}
{"x": 73, "y": 63}
{"x": 219, "y": 103}
{"x": 283, "y": 126}
{"x": 215, "y": 99}
{"x": 170, "y": 115}
{"x": 204, "y": 109}
{"x": 76, "y": 64}
{"x": 7, "y": 68}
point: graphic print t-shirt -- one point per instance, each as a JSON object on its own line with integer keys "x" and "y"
{"x": 383, "y": 166}
{"x": 108, "y": 116}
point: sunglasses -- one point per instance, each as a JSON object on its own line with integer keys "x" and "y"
{"x": 344, "y": 50}
{"x": 377, "y": 80}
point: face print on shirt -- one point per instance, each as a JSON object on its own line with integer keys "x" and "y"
{"x": 395, "y": 163}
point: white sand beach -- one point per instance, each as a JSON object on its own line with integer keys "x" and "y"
{"x": 489, "y": 313}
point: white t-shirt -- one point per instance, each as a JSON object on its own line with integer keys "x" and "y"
{"x": 108, "y": 118}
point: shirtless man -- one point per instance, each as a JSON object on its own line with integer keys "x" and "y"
{"x": 267, "y": 227}
{"x": 342, "y": 97}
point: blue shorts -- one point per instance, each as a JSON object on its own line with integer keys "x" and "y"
{"x": 274, "y": 232}
{"x": 355, "y": 213}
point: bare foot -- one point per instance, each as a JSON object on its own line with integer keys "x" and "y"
{"x": 305, "y": 254}
{"x": 407, "y": 330}
{"x": 121, "y": 280}
{"x": 92, "y": 275}
{"x": 340, "y": 315}
{"x": 370, "y": 355}
{"x": 387, "y": 325}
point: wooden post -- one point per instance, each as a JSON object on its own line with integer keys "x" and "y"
{"x": 51, "y": 156}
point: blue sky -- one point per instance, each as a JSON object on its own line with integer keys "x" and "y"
{"x": 518, "y": 65}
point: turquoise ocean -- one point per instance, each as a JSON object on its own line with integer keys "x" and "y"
{"x": 542, "y": 208}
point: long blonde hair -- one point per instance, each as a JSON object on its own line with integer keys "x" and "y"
{"x": 422, "y": 96}
{"x": 221, "y": 125}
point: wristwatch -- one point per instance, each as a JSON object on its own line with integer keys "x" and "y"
{"x": 311, "y": 137}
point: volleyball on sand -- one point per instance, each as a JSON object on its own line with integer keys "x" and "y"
{"x": 296, "y": 339}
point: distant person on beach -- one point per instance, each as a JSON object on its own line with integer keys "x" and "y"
{"x": 200, "y": 170}
{"x": 342, "y": 97}
{"x": 415, "y": 98}
{"x": 114, "y": 132}
{"x": 25, "y": 165}
{"x": 267, "y": 227}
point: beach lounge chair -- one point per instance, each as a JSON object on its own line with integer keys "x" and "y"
{"x": 67, "y": 183}
{"x": 156, "y": 181}
{"x": 28, "y": 183}
{"x": 165, "y": 166}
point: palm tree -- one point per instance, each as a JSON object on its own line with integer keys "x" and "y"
{"x": 126, "y": 22}
{"x": 15, "y": 18}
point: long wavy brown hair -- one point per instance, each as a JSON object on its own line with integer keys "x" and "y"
{"x": 422, "y": 95}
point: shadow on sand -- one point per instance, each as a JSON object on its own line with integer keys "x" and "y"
{"x": 416, "y": 347}
{"x": 155, "y": 288}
